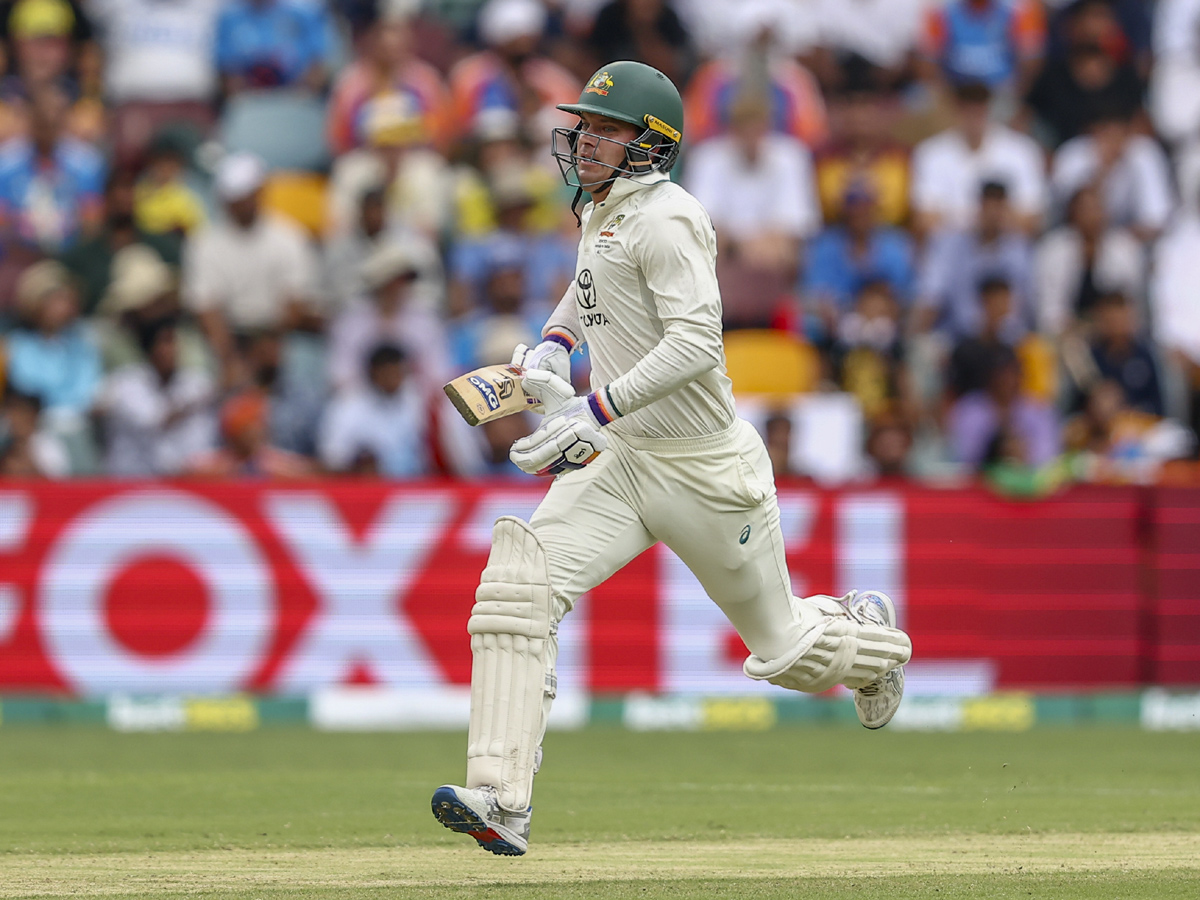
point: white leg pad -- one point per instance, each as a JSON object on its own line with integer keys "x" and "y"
{"x": 834, "y": 650}
{"x": 511, "y": 668}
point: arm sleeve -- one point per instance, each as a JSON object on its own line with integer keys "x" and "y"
{"x": 563, "y": 323}
{"x": 678, "y": 264}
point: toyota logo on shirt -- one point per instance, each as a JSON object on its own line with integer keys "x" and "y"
{"x": 585, "y": 290}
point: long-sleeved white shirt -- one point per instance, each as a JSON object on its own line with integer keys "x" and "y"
{"x": 646, "y": 301}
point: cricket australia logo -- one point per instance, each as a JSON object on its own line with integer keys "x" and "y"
{"x": 488, "y": 392}
{"x": 611, "y": 227}
{"x": 599, "y": 85}
{"x": 585, "y": 289}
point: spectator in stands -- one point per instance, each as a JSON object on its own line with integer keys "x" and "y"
{"x": 52, "y": 46}
{"x": 27, "y": 449}
{"x": 386, "y": 420}
{"x": 759, "y": 58}
{"x": 1082, "y": 259}
{"x": 387, "y": 63}
{"x": 1131, "y": 169}
{"x": 870, "y": 41}
{"x": 777, "y": 435}
{"x": 250, "y": 270}
{"x": 51, "y": 356}
{"x": 1071, "y": 93}
{"x": 295, "y": 398}
{"x": 264, "y": 44}
{"x": 999, "y": 43}
{"x": 547, "y": 259}
{"x": 1175, "y": 82}
{"x": 1120, "y": 355}
{"x": 845, "y": 257}
{"x": 867, "y": 350}
{"x": 510, "y": 73}
{"x": 949, "y": 168}
{"x": 349, "y": 249}
{"x": 164, "y": 203}
{"x": 487, "y": 334}
{"x": 1175, "y": 312}
{"x": 247, "y": 451}
{"x": 959, "y": 263}
{"x": 862, "y": 154}
{"x": 90, "y": 259}
{"x": 759, "y": 189}
{"x": 388, "y": 312}
{"x": 50, "y": 184}
{"x": 646, "y": 30}
{"x": 889, "y": 441}
{"x": 973, "y": 357}
{"x": 396, "y": 154}
{"x": 977, "y": 420}
{"x": 160, "y": 67}
{"x": 158, "y": 414}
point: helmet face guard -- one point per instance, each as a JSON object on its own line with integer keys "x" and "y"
{"x": 649, "y": 152}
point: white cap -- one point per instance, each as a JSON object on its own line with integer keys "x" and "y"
{"x": 388, "y": 262}
{"x": 238, "y": 176}
{"x": 501, "y": 21}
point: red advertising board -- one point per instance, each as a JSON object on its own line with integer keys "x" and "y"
{"x": 222, "y": 587}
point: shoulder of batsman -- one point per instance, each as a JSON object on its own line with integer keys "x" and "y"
{"x": 667, "y": 200}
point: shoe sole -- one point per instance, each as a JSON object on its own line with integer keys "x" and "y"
{"x": 460, "y": 818}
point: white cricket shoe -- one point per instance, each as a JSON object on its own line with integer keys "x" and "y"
{"x": 477, "y": 812}
{"x": 877, "y": 701}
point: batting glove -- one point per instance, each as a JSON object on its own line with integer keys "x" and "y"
{"x": 552, "y": 355}
{"x": 570, "y": 436}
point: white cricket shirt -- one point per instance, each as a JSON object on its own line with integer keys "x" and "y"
{"x": 646, "y": 301}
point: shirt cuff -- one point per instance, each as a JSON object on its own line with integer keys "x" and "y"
{"x": 601, "y": 404}
{"x": 561, "y": 337}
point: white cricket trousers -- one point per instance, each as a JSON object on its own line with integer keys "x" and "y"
{"x": 711, "y": 500}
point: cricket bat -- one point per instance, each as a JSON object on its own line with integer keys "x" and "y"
{"x": 490, "y": 392}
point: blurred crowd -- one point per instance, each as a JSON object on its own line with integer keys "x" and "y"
{"x": 255, "y": 237}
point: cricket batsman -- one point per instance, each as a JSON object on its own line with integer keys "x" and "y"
{"x": 654, "y": 453}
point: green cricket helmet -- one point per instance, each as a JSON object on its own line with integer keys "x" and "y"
{"x": 630, "y": 92}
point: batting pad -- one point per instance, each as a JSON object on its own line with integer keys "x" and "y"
{"x": 510, "y": 628}
{"x": 835, "y": 650}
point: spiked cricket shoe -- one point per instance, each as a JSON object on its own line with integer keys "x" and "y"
{"x": 877, "y": 701}
{"x": 477, "y": 812}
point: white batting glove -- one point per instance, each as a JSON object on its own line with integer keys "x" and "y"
{"x": 550, "y": 355}
{"x": 570, "y": 436}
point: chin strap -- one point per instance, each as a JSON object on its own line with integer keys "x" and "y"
{"x": 575, "y": 203}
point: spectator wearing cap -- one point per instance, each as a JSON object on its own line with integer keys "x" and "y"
{"x": 1082, "y": 259}
{"x": 845, "y": 257}
{"x": 265, "y": 44}
{"x": 511, "y": 73}
{"x": 860, "y": 153}
{"x": 957, "y": 263}
{"x": 949, "y": 168}
{"x": 1000, "y": 43}
{"x": 51, "y": 184}
{"x": 250, "y": 270}
{"x": 52, "y": 357}
{"x": 1131, "y": 169}
{"x": 90, "y": 259}
{"x": 396, "y": 156}
{"x": 388, "y": 311}
{"x": 387, "y": 63}
{"x": 381, "y": 426}
{"x": 246, "y": 449}
{"x": 761, "y": 40}
{"x": 158, "y": 414}
{"x": 546, "y": 259}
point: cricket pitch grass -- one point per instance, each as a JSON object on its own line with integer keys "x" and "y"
{"x": 795, "y": 812}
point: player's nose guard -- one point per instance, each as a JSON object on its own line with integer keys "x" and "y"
{"x": 654, "y": 149}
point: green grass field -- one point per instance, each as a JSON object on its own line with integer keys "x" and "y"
{"x": 814, "y": 813}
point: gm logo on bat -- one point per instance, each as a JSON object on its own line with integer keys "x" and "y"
{"x": 488, "y": 392}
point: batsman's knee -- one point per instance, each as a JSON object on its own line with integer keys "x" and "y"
{"x": 514, "y": 595}
{"x": 833, "y": 649}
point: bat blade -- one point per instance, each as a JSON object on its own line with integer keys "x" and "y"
{"x": 489, "y": 392}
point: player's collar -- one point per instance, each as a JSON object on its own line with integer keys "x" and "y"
{"x": 622, "y": 187}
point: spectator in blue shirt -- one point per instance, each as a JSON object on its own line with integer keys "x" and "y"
{"x": 51, "y": 185}
{"x": 272, "y": 43}
{"x": 844, "y": 258}
{"x": 51, "y": 356}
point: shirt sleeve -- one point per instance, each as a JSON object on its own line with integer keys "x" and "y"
{"x": 563, "y": 324}
{"x": 677, "y": 257}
